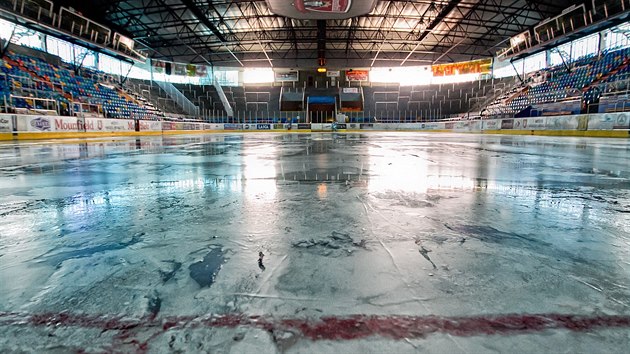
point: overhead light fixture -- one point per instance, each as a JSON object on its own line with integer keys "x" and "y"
{"x": 321, "y": 70}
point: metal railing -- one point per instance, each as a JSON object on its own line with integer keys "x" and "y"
{"x": 253, "y": 117}
{"x": 179, "y": 98}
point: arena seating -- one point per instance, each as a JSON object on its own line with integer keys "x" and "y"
{"x": 147, "y": 91}
{"x": 45, "y": 80}
{"x": 559, "y": 85}
{"x": 552, "y": 91}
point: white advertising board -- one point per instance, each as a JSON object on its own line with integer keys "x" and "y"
{"x": 432, "y": 126}
{"x": 622, "y": 120}
{"x": 150, "y": 126}
{"x": 562, "y": 123}
{"x": 601, "y": 122}
{"x": 518, "y": 123}
{"x": 35, "y": 123}
{"x": 109, "y": 125}
{"x": 208, "y": 126}
{"x": 491, "y": 124}
{"x": 6, "y": 123}
{"x": 533, "y": 123}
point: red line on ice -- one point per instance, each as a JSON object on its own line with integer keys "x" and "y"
{"x": 334, "y": 328}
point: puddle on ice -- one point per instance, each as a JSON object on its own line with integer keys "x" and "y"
{"x": 205, "y": 271}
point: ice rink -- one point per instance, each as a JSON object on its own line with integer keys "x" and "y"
{"x": 372, "y": 243}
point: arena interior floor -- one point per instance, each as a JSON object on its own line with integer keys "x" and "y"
{"x": 375, "y": 242}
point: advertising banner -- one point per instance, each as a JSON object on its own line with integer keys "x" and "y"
{"x": 150, "y": 125}
{"x": 286, "y": 76}
{"x": 213, "y": 126}
{"x": 181, "y": 126}
{"x": 6, "y": 124}
{"x": 431, "y": 126}
{"x": 304, "y": 126}
{"x": 192, "y": 126}
{"x": 461, "y": 126}
{"x": 601, "y": 122}
{"x": 507, "y": 123}
{"x": 202, "y": 70}
{"x": 481, "y": 66}
{"x": 191, "y": 70}
{"x": 69, "y": 124}
{"x": 562, "y": 123}
{"x": 333, "y": 73}
{"x": 533, "y": 123}
{"x": 622, "y": 121}
{"x": 474, "y": 126}
{"x": 179, "y": 69}
{"x": 158, "y": 67}
{"x": 232, "y": 126}
{"x": 263, "y": 126}
{"x": 491, "y": 124}
{"x": 357, "y": 75}
{"x": 366, "y": 126}
{"x": 50, "y": 124}
{"x": 109, "y": 125}
{"x": 35, "y": 123}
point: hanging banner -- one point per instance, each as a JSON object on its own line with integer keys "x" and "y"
{"x": 284, "y": 76}
{"x": 191, "y": 70}
{"x": 333, "y": 73}
{"x": 158, "y": 66}
{"x": 357, "y": 75}
{"x": 467, "y": 67}
{"x": 179, "y": 69}
{"x": 202, "y": 70}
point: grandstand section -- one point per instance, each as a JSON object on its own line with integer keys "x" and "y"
{"x": 562, "y": 90}
{"x": 154, "y": 94}
{"x": 30, "y": 81}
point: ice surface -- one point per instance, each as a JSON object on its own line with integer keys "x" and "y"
{"x": 169, "y": 229}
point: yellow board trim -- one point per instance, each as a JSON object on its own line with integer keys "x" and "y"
{"x": 578, "y": 133}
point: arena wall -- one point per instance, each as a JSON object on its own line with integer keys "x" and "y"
{"x": 24, "y": 127}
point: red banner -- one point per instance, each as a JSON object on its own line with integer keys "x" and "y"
{"x": 357, "y": 75}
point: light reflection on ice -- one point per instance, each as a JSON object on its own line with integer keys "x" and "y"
{"x": 393, "y": 171}
{"x": 259, "y": 172}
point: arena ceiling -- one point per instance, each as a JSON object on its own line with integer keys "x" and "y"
{"x": 247, "y": 33}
